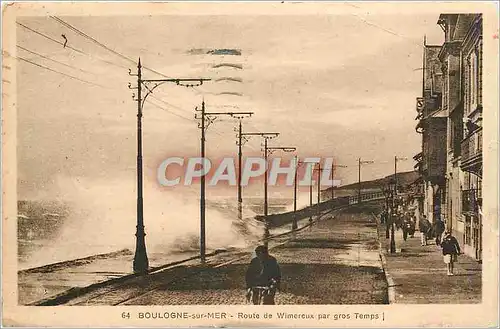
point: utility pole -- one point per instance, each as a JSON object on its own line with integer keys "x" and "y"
{"x": 393, "y": 216}
{"x": 202, "y": 187}
{"x": 295, "y": 183}
{"x": 242, "y": 138}
{"x": 394, "y": 193}
{"x": 333, "y": 191}
{"x": 265, "y": 187}
{"x": 240, "y": 199}
{"x": 319, "y": 185}
{"x": 240, "y": 142}
{"x": 360, "y": 162}
{"x": 141, "y": 263}
{"x": 206, "y": 119}
{"x": 311, "y": 196}
{"x": 269, "y": 150}
{"x": 396, "y": 159}
{"x": 332, "y": 174}
{"x": 359, "y": 180}
{"x": 319, "y": 169}
{"x": 395, "y": 175}
{"x": 294, "y": 223}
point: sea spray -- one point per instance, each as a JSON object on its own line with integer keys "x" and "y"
{"x": 102, "y": 219}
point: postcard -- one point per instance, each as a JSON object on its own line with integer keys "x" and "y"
{"x": 242, "y": 164}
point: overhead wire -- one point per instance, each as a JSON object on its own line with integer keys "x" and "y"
{"x": 58, "y": 72}
{"x": 52, "y": 60}
{"x": 169, "y": 111}
{"x": 85, "y": 35}
{"x": 69, "y": 46}
{"x": 49, "y": 38}
{"x": 95, "y": 41}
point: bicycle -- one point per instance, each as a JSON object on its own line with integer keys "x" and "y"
{"x": 262, "y": 291}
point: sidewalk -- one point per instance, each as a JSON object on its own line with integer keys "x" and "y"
{"x": 417, "y": 273}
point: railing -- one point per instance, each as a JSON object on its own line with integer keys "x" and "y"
{"x": 472, "y": 147}
{"x": 365, "y": 197}
{"x": 471, "y": 200}
{"x": 275, "y": 220}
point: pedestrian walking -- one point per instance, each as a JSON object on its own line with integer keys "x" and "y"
{"x": 451, "y": 250}
{"x": 264, "y": 271}
{"x": 425, "y": 228}
{"x": 439, "y": 228}
{"x": 383, "y": 216}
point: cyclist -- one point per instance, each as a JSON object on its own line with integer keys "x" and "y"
{"x": 263, "y": 271}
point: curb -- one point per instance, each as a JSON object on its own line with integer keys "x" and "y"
{"x": 391, "y": 285}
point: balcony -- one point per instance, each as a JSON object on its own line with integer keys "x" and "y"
{"x": 472, "y": 150}
{"x": 471, "y": 201}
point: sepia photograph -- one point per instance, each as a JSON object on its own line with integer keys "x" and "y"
{"x": 324, "y": 159}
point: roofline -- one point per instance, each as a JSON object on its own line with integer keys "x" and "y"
{"x": 443, "y": 16}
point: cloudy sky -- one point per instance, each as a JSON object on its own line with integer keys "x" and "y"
{"x": 332, "y": 85}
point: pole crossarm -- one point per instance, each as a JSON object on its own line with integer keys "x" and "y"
{"x": 287, "y": 149}
{"x": 265, "y": 135}
{"x": 179, "y": 81}
{"x": 210, "y": 117}
{"x": 271, "y": 135}
{"x": 232, "y": 114}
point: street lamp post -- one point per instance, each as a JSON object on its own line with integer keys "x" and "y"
{"x": 387, "y": 213}
{"x": 393, "y": 240}
{"x": 141, "y": 262}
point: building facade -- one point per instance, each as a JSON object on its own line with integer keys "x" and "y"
{"x": 472, "y": 143}
{"x": 451, "y": 158}
{"x": 432, "y": 125}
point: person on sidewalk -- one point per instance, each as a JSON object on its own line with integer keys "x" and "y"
{"x": 438, "y": 230}
{"x": 451, "y": 249}
{"x": 383, "y": 216}
{"x": 425, "y": 230}
{"x": 264, "y": 270}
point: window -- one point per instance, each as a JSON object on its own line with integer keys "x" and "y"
{"x": 480, "y": 72}
{"x": 473, "y": 80}
{"x": 466, "y": 76}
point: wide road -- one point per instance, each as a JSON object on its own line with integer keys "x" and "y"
{"x": 336, "y": 261}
